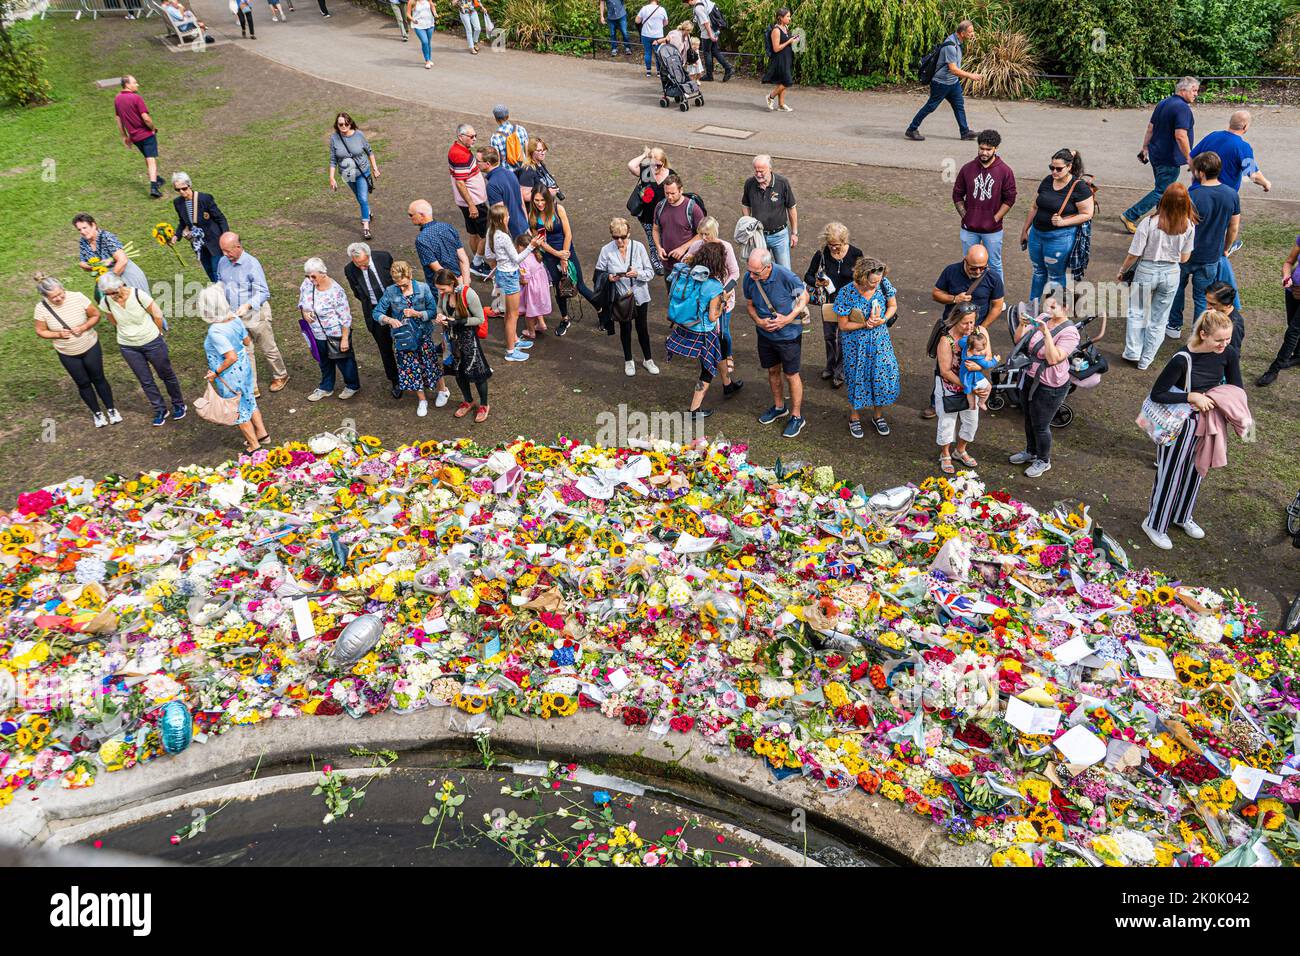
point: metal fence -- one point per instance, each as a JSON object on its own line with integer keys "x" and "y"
{"x": 98, "y": 8}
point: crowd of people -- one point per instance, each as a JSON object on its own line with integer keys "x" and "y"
{"x": 429, "y": 323}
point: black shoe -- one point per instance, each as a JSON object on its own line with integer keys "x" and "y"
{"x": 243, "y": 34}
{"x": 700, "y": 413}
{"x": 1268, "y": 378}
{"x": 882, "y": 426}
{"x": 970, "y": 134}
{"x": 706, "y": 79}
{"x": 154, "y": 191}
{"x": 913, "y": 135}
{"x": 827, "y": 374}
{"x": 728, "y": 75}
{"x": 732, "y": 388}
{"x": 396, "y": 392}
{"x": 563, "y": 327}
{"x": 836, "y": 383}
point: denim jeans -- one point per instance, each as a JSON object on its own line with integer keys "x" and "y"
{"x": 1048, "y": 251}
{"x": 710, "y": 51}
{"x": 1148, "y": 305}
{"x": 724, "y": 333}
{"x": 1226, "y": 275}
{"x": 938, "y": 93}
{"x": 778, "y": 243}
{"x": 619, "y": 24}
{"x": 1164, "y": 176}
{"x": 992, "y": 241}
{"x": 648, "y": 45}
{"x": 347, "y": 365}
{"x": 425, "y": 36}
{"x": 1203, "y": 275}
{"x": 361, "y": 189}
{"x": 473, "y": 29}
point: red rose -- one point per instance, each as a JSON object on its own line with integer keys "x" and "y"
{"x": 752, "y": 700}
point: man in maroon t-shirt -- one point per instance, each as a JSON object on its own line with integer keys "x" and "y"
{"x": 138, "y": 129}
{"x": 676, "y": 218}
{"x": 984, "y": 192}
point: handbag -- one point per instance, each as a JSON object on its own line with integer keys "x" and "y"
{"x": 819, "y": 295}
{"x": 622, "y": 308}
{"x": 1161, "y": 422}
{"x": 409, "y": 336}
{"x": 567, "y": 286}
{"x": 954, "y": 401}
{"x": 213, "y": 407}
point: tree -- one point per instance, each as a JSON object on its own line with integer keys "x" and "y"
{"x": 22, "y": 60}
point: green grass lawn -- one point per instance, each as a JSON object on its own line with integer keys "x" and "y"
{"x": 68, "y": 157}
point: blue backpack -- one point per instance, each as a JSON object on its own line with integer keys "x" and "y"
{"x": 692, "y": 291}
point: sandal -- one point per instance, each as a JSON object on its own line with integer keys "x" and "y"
{"x": 262, "y": 439}
{"x": 251, "y": 448}
{"x": 945, "y": 465}
{"x": 966, "y": 459}
{"x": 462, "y": 410}
{"x": 481, "y": 415}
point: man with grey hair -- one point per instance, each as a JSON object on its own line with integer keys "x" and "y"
{"x": 510, "y": 140}
{"x": 199, "y": 220}
{"x": 1235, "y": 154}
{"x": 469, "y": 190}
{"x": 946, "y": 83}
{"x": 250, "y": 299}
{"x": 1167, "y": 146}
{"x": 369, "y": 273}
{"x": 777, "y": 300}
{"x": 767, "y": 197}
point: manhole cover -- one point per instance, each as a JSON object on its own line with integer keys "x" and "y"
{"x": 726, "y": 131}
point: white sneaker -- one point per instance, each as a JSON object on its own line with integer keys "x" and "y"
{"x": 1021, "y": 458}
{"x": 650, "y": 366}
{"x": 347, "y": 393}
{"x": 114, "y": 416}
{"x": 318, "y": 394}
{"x": 1159, "y": 540}
{"x": 1038, "y": 468}
{"x": 516, "y": 355}
{"x": 1173, "y": 333}
{"x": 1143, "y": 366}
{"x": 100, "y": 420}
{"x": 441, "y": 399}
{"x": 422, "y": 409}
{"x": 1192, "y": 529}
{"x": 629, "y": 368}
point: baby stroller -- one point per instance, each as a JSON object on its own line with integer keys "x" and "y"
{"x": 678, "y": 87}
{"x": 1087, "y": 365}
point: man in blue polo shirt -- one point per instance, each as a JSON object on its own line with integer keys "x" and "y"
{"x": 777, "y": 298}
{"x": 1167, "y": 146}
{"x": 1237, "y": 158}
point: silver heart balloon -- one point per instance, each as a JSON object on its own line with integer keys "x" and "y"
{"x": 357, "y": 639}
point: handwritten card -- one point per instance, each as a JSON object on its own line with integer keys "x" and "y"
{"x": 1080, "y": 746}
{"x": 1030, "y": 719}
{"x": 1152, "y": 662}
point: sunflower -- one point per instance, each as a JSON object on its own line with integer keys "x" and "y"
{"x": 1142, "y": 597}
{"x": 1164, "y": 594}
{"x": 471, "y": 704}
{"x": 617, "y": 550}
{"x": 369, "y": 441}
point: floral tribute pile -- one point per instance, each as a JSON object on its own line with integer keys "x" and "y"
{"x": 995, "y": 669}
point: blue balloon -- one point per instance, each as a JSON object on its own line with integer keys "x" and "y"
{"x": 177, "y": 726}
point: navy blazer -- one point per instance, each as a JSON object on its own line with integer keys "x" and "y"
{"x": 211, "y": 220}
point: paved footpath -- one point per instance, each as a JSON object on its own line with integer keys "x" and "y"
{"x": 363, "y": 49}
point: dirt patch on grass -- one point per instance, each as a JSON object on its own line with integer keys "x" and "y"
{"x": 903, "y": 217}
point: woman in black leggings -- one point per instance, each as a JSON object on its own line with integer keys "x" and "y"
{"x": 460, "y": 313}
{"x": 627, "y": 263}
{"x": 68, "y": 320}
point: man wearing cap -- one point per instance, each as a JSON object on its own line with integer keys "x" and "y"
{"x": 501, "y": 139}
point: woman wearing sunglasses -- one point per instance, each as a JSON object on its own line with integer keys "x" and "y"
{"x": 651, "y": 168}
{"x": 627, "y": 263}
{"x": 1063, "y": 203}
{"x": 352, "y": 156}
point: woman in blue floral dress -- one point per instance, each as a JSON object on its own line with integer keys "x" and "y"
{"x": 866, "y": 309}
{"x": 230, "y": 370}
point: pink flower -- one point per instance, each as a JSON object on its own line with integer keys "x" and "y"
{"x": 650, "y": 859}
{"x": 327, "y": 768}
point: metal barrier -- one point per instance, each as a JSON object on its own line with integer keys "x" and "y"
{"x": 96, "y": 8}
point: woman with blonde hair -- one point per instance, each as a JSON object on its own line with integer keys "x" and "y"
{"x": 408, "y": 308}
{"x": 651, "y": 168}
{"x": 1208, "y": 360}
{"x": 230, "y": 368}
{"x": 533, "y": 174}
{"x": 627, "y": 263}
{"x": 830, "y": 270}
{"x": 708, "y": 233}
{"x": 1162, "y": 242}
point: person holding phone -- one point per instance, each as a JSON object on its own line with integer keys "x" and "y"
{"x": 1046, "y": 382}
{"x": 627, "y": 263}
{"x": 1062, "y": 204}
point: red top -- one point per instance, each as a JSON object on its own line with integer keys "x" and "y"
{"x": 130, "y": 111}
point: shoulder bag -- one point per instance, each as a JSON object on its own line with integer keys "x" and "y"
{"x": 819, "y": 295}
{"x": 1161, "y": 422}
{"x": 954, "y": 402}
{"x": 805, "y": 317}
{"x": 57, "y": 318}
{"x": 622, "y": 308}
{"x": 212, "y": 407}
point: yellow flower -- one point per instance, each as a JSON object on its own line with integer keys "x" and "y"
{"x": 1164, "y": 594}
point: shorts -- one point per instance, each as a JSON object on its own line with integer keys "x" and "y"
{"x": 475, "y": 225}
{"x": 786, "y": 354}
{"x": 508, "y": 282}
{"x": 148, "y": 146}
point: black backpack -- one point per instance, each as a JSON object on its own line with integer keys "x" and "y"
{"x": 717, "y": 20}
{"x": 691, "y": 200}
{"x": 928, "y": 65}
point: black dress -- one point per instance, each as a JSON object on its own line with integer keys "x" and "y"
{"x": 780, "y": 66}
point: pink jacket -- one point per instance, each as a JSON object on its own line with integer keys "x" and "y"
{"x": 1230, "y": 408}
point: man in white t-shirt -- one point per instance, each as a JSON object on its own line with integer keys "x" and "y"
{"x": 710, "y": 48}
{"x": 652, "y": 22}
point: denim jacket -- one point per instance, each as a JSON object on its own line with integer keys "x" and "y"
{"x": 413, "y": 331}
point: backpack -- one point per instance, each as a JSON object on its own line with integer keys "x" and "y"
{"x": 928, "y": 65}
{"x": 692, "y": 291}
{"x": 514, "y": 149}
{"x": 717, "y": 20}
{"x": 691, "y": 201}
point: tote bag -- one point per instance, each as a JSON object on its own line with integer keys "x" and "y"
{"x": 1162, "y": 423}
{"x": 212, "y": 407}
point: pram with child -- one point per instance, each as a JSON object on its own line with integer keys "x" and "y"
{"x": 1087, "y": 364}
{"x": 677, "y": 85}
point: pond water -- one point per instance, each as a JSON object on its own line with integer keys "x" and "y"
{"x": 509, "y": 815}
